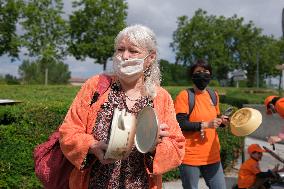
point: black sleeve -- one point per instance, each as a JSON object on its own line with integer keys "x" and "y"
{"x": 267, "y": 174}
{"x": 274, "y": 100}
{"x": 186, "y": 125}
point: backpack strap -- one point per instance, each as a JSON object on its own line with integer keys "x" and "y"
{"x": 103, "y": 85}
{"x": 213, "y": 96}
{"x": 191, "y": 98}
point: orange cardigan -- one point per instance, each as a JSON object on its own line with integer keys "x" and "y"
{"x": 76, "y": 137}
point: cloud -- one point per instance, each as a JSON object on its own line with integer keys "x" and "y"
{"x": 8, "y": 67}
{"x": 84, "y": 69}
{"x": 161, "y": 17}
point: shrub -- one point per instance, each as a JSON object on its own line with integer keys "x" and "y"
{"x": 27, "y": 124}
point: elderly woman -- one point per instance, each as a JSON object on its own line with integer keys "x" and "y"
{"x": 133, "y": 85}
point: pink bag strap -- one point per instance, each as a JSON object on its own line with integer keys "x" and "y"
{"x": 103, "y": 85}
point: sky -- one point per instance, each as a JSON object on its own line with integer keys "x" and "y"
{"x": 161, "y": 16}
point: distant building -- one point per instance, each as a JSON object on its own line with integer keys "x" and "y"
{"x": 237, "y": 75}
{"x": 76, "y": 81}
{"x": 272, "y": 82}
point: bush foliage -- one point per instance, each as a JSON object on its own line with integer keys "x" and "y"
{"x": 24, "y": 125}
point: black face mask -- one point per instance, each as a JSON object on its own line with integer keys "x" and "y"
{"x": 201, "y": 80}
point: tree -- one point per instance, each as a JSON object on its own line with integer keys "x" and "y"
{"x": 257, "y": 54}
{"x": 9, "y": 14}
{"x": 29, "y": 72}
{"x": 45, "y": 29}
{"x": 93, "y": 28}
{"x": 33, "y": 72}
{"x": 45, "y": 34}
{"x": 173, "y": 74}
{"x": 11, "y": 80}
{"x": 203, "y": 37}
{"x": 227, "y": 43}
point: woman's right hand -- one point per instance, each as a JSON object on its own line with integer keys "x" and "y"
{"x": 215, "y": 123}
{"x": 98, "y": 149}
{"x": 273, "y": 139}
{"x": 276, "y": 168}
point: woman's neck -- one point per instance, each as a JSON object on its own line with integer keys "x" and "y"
{"x": 198, "y": 90}
{"x": 133, "y": 88}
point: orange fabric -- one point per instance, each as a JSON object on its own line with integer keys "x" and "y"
{"x": 247, "y": 173}
{"x": 268, "y": 99}
{"x": 75, "y": 133}
{"x": 197, "y": 151}
{"x": 279, "y": 107}
{"x": 255, "y": 148}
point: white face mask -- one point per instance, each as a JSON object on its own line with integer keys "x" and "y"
{"x": 130, "y": 69}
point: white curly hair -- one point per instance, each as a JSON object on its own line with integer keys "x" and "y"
{"x": 144, "y": 37}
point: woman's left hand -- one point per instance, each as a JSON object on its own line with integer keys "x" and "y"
{"x": 225, "y": 120}
{"x": 163, "y": 132}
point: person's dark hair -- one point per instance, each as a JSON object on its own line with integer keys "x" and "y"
{"x": 200, "y": 63}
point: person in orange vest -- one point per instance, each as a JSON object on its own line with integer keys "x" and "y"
{"x": 199, "y": 125}
{"x": 275, "y": 104}
{"x": 250, "y": 175}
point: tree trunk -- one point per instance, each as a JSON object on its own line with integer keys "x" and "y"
{"x": 251, "y": 75}
{"x": 104, "y": 64}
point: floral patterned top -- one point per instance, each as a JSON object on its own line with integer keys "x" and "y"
{"x": 130, "y": 172}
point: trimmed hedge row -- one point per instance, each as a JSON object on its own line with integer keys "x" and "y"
{"x": 27, "y": 124}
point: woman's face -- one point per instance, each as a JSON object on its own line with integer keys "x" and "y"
{"x": 201, "y": 78}
{"x": 127, "y": 50}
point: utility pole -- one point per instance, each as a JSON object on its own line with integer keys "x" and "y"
{"x": 283, "y": 22}
{"x": 257, "y": 70}
{"x": 281, "y": 80}
{"x": 281, "y": 83}
{"x": 46, "y": 77}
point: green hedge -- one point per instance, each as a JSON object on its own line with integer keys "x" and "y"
{"x": 29, "y": 123}
{"x": 24, "y": 125}
{"x": 238, "y": 97}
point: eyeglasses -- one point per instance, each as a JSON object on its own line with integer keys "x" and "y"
{"x": 201, "y": 71}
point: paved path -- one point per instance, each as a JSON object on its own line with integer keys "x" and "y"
{"x": 267, "y": 162}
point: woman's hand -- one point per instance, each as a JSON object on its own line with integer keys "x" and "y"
{"x": 98, "y": 149}
{"x": 163, "y": 132}
{"x": 276, "y": 168}
{"x": 273, "y": 139}
{"x": 281, "y": 170}
{"x": 215, "y": 123}
{"x": 225, "y": 120}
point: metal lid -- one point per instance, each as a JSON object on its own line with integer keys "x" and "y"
{"x": 147, "y": 130}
